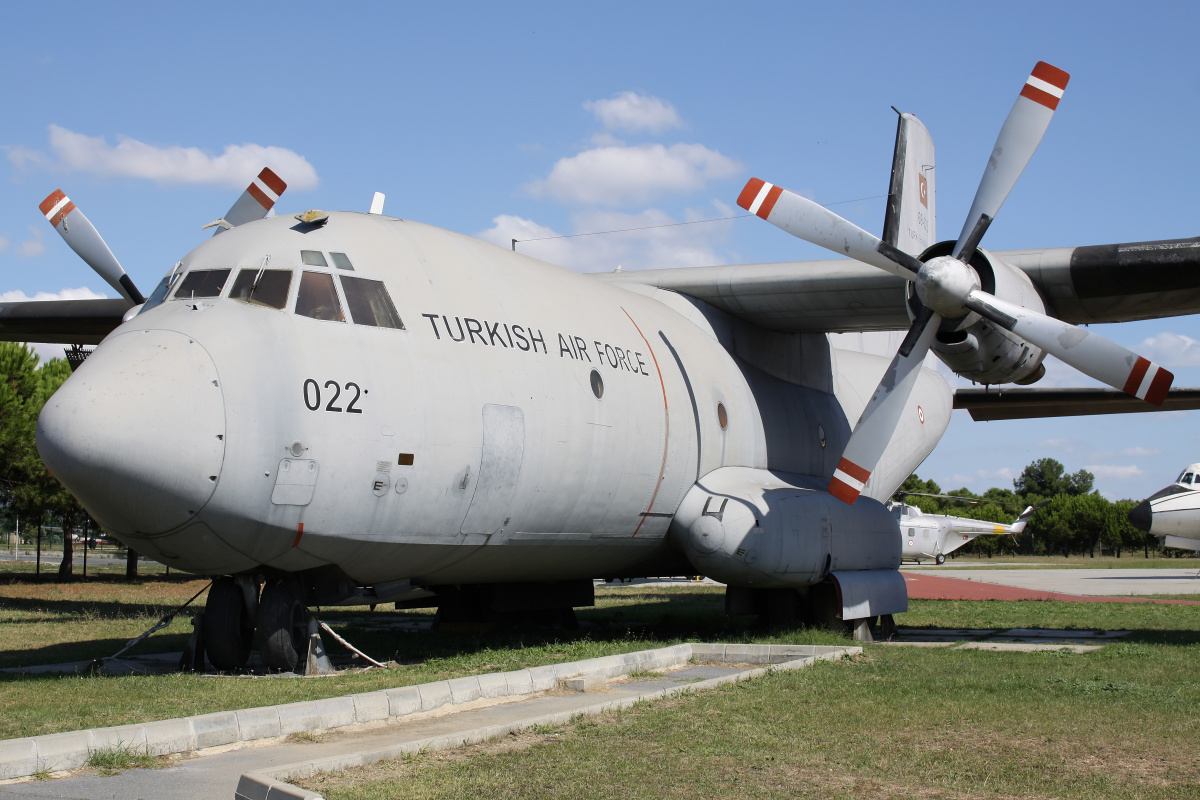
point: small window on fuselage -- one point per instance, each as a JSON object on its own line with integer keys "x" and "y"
{"x": 202, "y": 283}
{"x": 268, "y": 287}
{"x": 313, "y": 258}
{"x": 318, "y": 297}
{"x": 341, "y": 260}
{"x": 370, "y": 303}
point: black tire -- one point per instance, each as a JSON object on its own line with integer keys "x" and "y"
{"x": 228, "y": 634}
{"x": 282, "y": 627}
{"x": 941, "y": 559}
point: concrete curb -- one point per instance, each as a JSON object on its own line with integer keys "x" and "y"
{"x": 64, "y": 751}
{"x": 272, "y": 785}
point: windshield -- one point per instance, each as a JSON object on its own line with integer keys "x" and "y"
{"x": 202, "y": 283}
{"x": 268, "y": 287}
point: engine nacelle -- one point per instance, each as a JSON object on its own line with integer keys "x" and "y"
{"x": 976, "y": 348}
{"x": 753, "y": 528}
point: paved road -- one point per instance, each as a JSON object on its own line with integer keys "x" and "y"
{"x": 1104, "y": 582}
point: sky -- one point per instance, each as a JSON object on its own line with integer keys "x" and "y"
{"x": 533, "y": 120}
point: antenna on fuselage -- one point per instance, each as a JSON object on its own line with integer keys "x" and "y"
{"x": 377, "y": 203}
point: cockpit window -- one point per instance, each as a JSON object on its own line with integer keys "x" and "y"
{"x": 317, "y": 298}
{"x": 370, "y": 304}
{"x": 341, "y": 260}
{"x": 268, "y": 287}
{"x": 160, "y": 292}
{"x": 897, "y": 512}
{"x": 202, "y": 283}
{"x": 1187, "y": 478}
{"x": 313, "y": 258}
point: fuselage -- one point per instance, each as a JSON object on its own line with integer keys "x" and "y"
{"x": 486, "y": 416}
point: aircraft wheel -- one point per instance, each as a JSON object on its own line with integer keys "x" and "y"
{"x": 941, "y": 559}
{"x": 228, "y": 629}
{"x": 281, "y": 627}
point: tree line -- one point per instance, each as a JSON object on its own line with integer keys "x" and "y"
{"x": 28, "y": 492}
{"x": 1075, "y": 520}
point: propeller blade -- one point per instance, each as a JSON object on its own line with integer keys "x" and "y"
{"x": 1090, "y": 353}
{"x": 814, "y": 223}
{"x": 82, "y": 237}
{"x": 256, "y": 202}
{"x": 882, "y": 414}
{"x": 1018, "y": 139}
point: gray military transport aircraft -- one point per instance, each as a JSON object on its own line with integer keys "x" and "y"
{"x": 347, "y": 408}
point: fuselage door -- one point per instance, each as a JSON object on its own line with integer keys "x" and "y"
{"x": 499, "y": 469}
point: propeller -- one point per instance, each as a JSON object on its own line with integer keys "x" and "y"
{"x": 948, "y": 288}
{"x": 254, "y": 203}
{"x": 82, "y": 237}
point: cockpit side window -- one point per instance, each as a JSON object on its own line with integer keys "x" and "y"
{"x": 370, "y": 303}
{"x": 318, "y": 297}
{"x": 1187, "y": 478}
{"x": 268, "y": 287}
{"x": 202, "y": 283}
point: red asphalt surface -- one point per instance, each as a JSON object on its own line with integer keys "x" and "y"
{"x": 930, "y": 587}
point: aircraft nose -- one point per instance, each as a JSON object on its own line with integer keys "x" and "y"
{"x": 137, "y": 434}
{"x": 1140, "y": 516}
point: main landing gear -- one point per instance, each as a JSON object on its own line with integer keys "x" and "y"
{"x": 237, "y": 617}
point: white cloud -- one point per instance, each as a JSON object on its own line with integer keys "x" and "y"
{"x": 623, "y": 175}
{"x": 1171, "y": 350}
{"x": 1114, "y": 471}
{"x": 35, "y": 245}
{"x": 657, "y": 241}
{"x": 1065, "y": 445}
{"x": 1140, "y": 451}
{"x": 630, "y": 111}
{"x": 4, "y": 242}
{"x": 81, "y": 293}
{"x": 235, "y": 166}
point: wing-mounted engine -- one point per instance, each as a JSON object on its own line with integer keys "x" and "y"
{"x": 977, "y": 348}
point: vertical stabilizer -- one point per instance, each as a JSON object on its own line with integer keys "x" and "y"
{"x": 909, "y": 224}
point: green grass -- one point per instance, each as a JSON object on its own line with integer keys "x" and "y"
{"x": 900, "y": 722}
{"x": 111, "y": 760}
{"x": 49, "y": 622}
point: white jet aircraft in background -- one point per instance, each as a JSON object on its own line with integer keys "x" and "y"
{"x": 1173, "y": 514}
{"x": 346, "y": 408}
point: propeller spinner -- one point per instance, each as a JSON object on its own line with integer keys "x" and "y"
{"x": 948, "y": 288}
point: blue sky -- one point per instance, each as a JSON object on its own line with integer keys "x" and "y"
{"x": 532, "y": 119}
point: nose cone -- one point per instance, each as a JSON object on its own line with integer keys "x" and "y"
{"x": 137, "y": 434}
{"x": 1140, "y": 516}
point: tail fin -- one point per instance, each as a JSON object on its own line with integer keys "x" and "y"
{"x": 909, "y": 222}
{"x": 1021, "y": 521}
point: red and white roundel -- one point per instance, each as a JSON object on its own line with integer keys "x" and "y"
{"x": 921, "y": 414}
{"x": 910, "y": 542}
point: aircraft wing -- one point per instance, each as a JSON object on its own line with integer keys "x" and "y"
{"x": 1081, "y": 285}
{"x": 1030, "y": 403}
{"x": 60, "y": 321}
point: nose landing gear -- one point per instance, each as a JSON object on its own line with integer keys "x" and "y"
{"x": 282, "y": 627}
{"x": 232, "y": 625}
